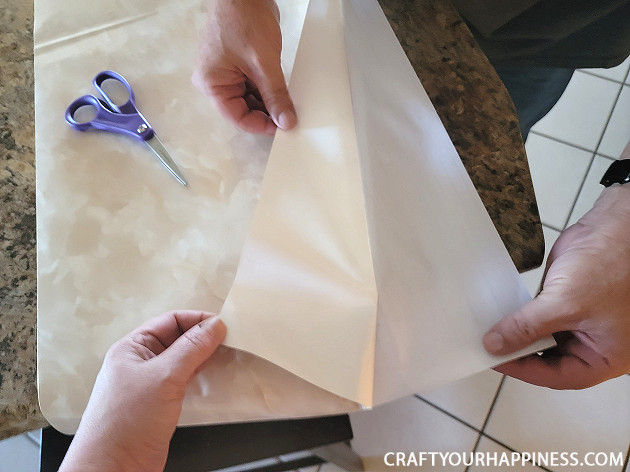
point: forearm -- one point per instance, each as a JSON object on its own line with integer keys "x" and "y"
{"x": 103, "y": 447}
{"x": 104, "y": 441}
{"x": 89, "y": 456}
{"x": 92, "y": 454}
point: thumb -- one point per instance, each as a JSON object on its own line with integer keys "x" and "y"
{"x": 194, "y": 347}
{"x": 275, "y": 95}
{"x": 538, "y": 319}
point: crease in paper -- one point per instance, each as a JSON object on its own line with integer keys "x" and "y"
{"x": 307, "y": 268}
{"x": 443, "y": 275}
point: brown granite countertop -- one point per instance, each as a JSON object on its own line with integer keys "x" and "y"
{"x": 479, "y": 116}
{"x": 19, "y": 410}
{"x": 470, "y": 99}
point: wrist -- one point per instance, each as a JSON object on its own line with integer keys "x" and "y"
{"x": 615, "y": 201}
{"x": 86, "y": 456}
{"x": 97, "y": 451}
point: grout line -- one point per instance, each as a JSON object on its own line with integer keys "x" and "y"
{"x": 511, "y": 449}
{"x": 485, "y": 422}
{"x": 581, "y": 187}
{"x": 601, "y": 138}
{"x": 562, "y": 141}
{"x": 548, "y": 226}
{"x": 610, "y": 158}
{"x": 593, "y": 158}
{"x": 492, "y": 405}
{"x": 599, "y": 142}
{"x": 447, "y": 413}
{"x": 474, "y": 449}
{"x": 617, "y": 81}
{"x": 581, "y": 148}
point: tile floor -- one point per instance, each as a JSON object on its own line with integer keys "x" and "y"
{"x": 568, "y": 152}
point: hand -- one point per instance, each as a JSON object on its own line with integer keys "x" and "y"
{"x": 584, "y": 303}
{"x": 137, "y": 398}
{"x": 239, "y": 66}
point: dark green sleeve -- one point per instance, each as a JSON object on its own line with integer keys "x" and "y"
{"x": 550, "y": 33}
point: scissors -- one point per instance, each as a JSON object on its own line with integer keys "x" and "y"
{"x": 119, "y": 115}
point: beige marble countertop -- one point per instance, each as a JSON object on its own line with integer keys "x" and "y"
{"x": 469, "y": 97}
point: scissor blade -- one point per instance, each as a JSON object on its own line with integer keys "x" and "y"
{"x": 162, "y": 154}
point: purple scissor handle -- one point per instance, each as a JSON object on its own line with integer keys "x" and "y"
{"x": 123, "y": 118}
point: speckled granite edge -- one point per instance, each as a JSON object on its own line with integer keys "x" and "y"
{"x": 19, "y": 410}
{"x": 478, "y": 114}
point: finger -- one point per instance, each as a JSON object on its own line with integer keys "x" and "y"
{"x": 558, "y": 372}
{"x": 233, "y": 107}
{"x": 229, "y": 94}
{"x": 274, "y": 93}
{"x": 189, "y": 351}
{"x": 251, "y": 88}
{"x": 254, "y": 103}
{"x": 160, "y": 332}
{"x": 538, "y": 319}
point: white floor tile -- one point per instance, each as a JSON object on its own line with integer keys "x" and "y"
{"x": 535, "y": 419}
{"x": 581, "y": 113}
{"x": 532, "y": 278}
{"x": 19, "y": 453}
{"x": 617, "y": 132}
{"x": 557, "y": 172}
{"x": 617, "y": 73}
{"x": 591, "y": 188}
{"x": 489, "y": 448}
{"x": 468, "y": 399}
{"x": 408, "y": 425}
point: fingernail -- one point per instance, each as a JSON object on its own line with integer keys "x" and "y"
{"x": 493, "y": 342}
{"x": 287, "y": 119}
{"x": 209, "y": 322}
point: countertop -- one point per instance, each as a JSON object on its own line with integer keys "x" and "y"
{"x": 470, "y": 99}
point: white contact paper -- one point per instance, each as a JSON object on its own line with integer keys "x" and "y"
{"x": 369, "y": 269}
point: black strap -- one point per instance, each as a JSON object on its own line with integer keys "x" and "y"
{"x": 617, "y": 173}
